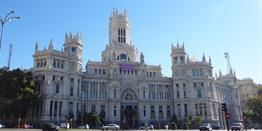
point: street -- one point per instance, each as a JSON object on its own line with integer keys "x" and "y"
{"x": 13, "y": 129}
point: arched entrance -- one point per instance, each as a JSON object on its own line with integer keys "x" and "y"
{"x": 129, "y": 109}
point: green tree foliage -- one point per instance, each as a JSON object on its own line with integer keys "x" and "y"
{"x": 259, "y": 91}
{"x": 93, "y": 119}
{"x": 186, "y": 122}
{"x": 255, "y": 106}
{"x": 18, "y": 93}
{"x": 196, "y": 122}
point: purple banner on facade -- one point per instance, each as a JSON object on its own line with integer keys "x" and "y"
{"x": 126, "y": 66}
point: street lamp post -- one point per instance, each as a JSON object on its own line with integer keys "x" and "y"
{"x": 7, "y": 18}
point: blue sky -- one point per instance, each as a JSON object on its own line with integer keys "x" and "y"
{"x": 205, "y": 26}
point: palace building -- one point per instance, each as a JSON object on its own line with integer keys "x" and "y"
{"x": 123, "y": 89}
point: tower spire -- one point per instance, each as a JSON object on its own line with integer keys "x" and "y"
{"x": 204, "y": 58}
{"x": 142, "y": 58}
{"x": 50, "y": 47}
{"x": 119, "y": 28}
{"x": 36, "y": 46}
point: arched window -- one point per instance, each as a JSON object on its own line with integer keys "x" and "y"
{"x": 123, "y": 57}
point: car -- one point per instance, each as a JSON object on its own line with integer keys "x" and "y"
{"x": 84, "y": 126}
{"x": 2, "y": 125}
{"x": 22, "y": 126}
{"x": 150, "y": 127}
{"x": 30, "y": 126}
{"x": 215, "y": 126}
{"x": 110, "y": 127}
{"x": 205, "y": 127}
{"x": 237, "y": 126}
{"x": 63, "y": 125}
{"x": 50, "y": 127}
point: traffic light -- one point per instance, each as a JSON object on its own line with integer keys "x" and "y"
{"x": 224, "y": 107}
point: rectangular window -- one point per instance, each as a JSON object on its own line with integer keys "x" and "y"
{"x": 61, "y": 78}
{"x": 185, "y": 107}
{"x": 72, "y": 81}
{"x": 114, "y": 110}
{"x": 55, "y": 108}
{"x": 114, "y": 93}
{"x": 179, "y": 110}
{"x": 70, "y": 108}
{"x": 102, "y": 112}
{"x": 84, "y": 108}
{"x": 205, "y": 109}
{"x": 60, "y": 108}
{"x": 57, "y": 89}
{"x": 144, "y": 111}
{"x": 71, "y": 91}
{"x": 196, "y": 109}
{"x": 161, "y": 114}
{"x": 202, "y": 84}
{"x": 199, "y": 94}
{"x": 152, "y": 112}
{"x": 168, "y": 112}
{"x": 51, "y": 108}
{"x": 200, "y": 109}
{"x": 77, "y": 107}
{"x": 119, "y": 32}
{"x": 93, "y": 108}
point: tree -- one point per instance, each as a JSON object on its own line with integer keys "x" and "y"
{"x": 259, "y": 91}
{"x": 255, "y": 106}
{"x": 186, "y": 122}
{"x": 18, "y": 93}
{"x": 196, "y": 122}
{"x": 92, "y": 119}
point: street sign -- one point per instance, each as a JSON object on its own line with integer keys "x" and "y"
{"x": 227, "y": 115}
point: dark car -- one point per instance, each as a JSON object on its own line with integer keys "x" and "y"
{"x": 215, "y": 127}
{"x": 50, "y": 127}
{"x": 205, "y": 127}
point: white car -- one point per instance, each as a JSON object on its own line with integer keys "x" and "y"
{"x": 237, "y": 126}
{"x": 63, "y": 125}
{"x": 111, "y": 127}
{"x": 150, "y": 127}
{"x": 84, "y": 126}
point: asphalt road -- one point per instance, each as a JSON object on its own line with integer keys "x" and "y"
{"x": 13, "y": 129}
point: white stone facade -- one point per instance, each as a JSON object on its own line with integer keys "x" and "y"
{"x": 124, "y": 89}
